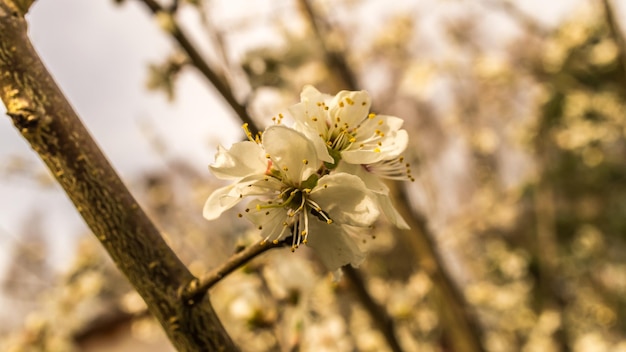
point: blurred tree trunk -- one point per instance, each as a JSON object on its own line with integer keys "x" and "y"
{"x": 47, "y": 121}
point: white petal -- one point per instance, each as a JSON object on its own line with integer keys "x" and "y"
{"x": 291, "y": 152}
{"x": 390, "y": 212}
{"x": 312, "y": 110}
{"x": 345, "y": 199}
{"x": 269, "y": 220}
{"x": 372, "y": 181}
{"x": 396, "y": 144}
{"x": 227, "y": 197}
{"x": 378, "y": 138}
{"x": 380, "y": 190}
{"x": 365, "y": 156}
{"x": 219, "y": 201}
{"x": 333, "y": 245}
{"x": 394, "y": 123}
{"x": 350, "y": 107}
{"x": 320, "y": 144}
{"x": 243, "y": 159}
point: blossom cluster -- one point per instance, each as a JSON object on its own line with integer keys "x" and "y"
{"x": 318, "y": 182}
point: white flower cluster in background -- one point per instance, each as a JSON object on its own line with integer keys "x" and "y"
{"x": 318, "y": 182}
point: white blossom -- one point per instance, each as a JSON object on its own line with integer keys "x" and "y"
{"x": 292, "y": 197}
{"x": 319, "y": 183}
{"x": 347, "y": 128}
{"x": 360, "y": 142}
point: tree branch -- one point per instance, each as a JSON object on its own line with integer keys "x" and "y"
{"x": 196, "y": 289}
{"x": 617, "y": 35}
{"x": 457, "y": 319}
{"x": 47, "y": 121}
{"x": 334, "y": 60}
{"x": 216, "y": 79}
{"x": 379, "y": 315}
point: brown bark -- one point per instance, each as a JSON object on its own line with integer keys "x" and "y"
{"x": 47, "y": 121}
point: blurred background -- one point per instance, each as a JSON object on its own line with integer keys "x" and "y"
{"x": 515, "y": 110}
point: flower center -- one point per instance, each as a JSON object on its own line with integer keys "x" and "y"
{"x": 295, "y": 204}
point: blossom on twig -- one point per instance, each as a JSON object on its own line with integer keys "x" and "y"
{"x": 318, "y": 182}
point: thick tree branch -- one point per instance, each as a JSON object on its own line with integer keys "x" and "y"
{"x": 47, "y": 121}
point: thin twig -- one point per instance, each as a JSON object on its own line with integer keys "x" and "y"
{"x": 196, "y": 289}
{"x": 526, "y": 21}
{"x": 378, "y": 313}
{"x": 617, "y": 36}
{"x": 198, "y": 61}
{"x": 335, "y": 60}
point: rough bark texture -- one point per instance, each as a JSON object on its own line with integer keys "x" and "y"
{"x": 45, "y": 118}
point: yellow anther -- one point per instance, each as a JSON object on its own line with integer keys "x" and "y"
{"x": 371, "y": 115}
{"x": 248, "y": 133}
{"x": 341, "y": 104}
{"x": 380, "y": 122}
{"x": 349, "y": 101}
{"x": 314, "y": 118}
{"x": 305, "y": 162}
{"x": 352, "y": 139}
{"x": 377, "y": 150}
{"x": 329, "y": 221}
